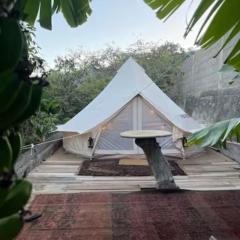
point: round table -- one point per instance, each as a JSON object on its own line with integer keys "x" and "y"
{"x": 146, "y": 139}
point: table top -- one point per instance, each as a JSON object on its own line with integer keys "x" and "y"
{"x": 145, "y": 134}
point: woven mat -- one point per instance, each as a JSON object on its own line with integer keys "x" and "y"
{"x": 133, "y": 162}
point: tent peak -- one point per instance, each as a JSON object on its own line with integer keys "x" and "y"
{"x": 131, "y": 63}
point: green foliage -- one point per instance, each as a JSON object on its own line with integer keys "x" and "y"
{"x": 16, "y": 198}
{"x": 42, "y": 123}
{"x": 6, "y": 155}
{"x": 217, "y": 134}
{"x": 10, "y": 48}
{"x": 89, "y": 89}
{"x": 64, "y": 90}
{"x": 8, "y": 82}
{"x": 75, "y": 12}
{"x": 33, "y": 103}
{"x": 15, "y": 139}
{"x": 19, "y": 102}
{"x": 10, "y": 226}
{"x": 162, "y": 63}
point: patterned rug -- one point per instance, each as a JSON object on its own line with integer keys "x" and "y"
{"x": 111, "y": 167}
{"x": 136, "y": 216}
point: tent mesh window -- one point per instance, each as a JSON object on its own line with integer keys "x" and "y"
{"x": 152, "y": 121}
{"x": 110, "y": 138}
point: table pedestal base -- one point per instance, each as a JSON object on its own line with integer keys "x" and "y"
{"x": 159, "y": 165}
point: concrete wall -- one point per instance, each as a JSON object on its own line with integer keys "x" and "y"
{"x": 232, "y": 150}
{"x": 32, "y": 158}
{"x": 205, "y": 92}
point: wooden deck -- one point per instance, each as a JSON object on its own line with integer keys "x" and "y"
{"x": 207, "y": 171}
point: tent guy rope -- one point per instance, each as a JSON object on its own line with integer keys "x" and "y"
{"x": 31, "y": 146}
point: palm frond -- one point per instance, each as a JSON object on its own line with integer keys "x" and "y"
{"x": 75, "y": 12}
{"x": 217, "y": 134}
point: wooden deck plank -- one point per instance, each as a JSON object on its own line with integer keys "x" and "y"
{"x": 205, "y": 172}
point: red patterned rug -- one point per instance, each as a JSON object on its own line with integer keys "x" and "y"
{"x": 137, "y": 216}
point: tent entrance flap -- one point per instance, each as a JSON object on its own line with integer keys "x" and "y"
{"x": 110, "y": 140}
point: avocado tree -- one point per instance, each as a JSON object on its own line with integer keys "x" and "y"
{"x": 220, "y": 18}
{"x": 20, "y": 93}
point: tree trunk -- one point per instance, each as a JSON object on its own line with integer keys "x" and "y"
{"x": 159, "y": 165}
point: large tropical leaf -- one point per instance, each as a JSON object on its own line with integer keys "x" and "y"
{"x": 164, "y": 8}
{"x": 75, "y": 12}
{"x": 45, "y": 17}
{"x": 11, "y": 44}
{"x": 16, "y": 198}
{"x": 220, "y": 18}
{"x": 10, "y": 226}
{"x": 217, "y": 134}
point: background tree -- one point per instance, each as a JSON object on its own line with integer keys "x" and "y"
{"x": 42, "y": 123}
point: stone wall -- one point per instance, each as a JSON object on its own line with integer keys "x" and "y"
{"x": 32, "y": 158}
{"x": 205, "y": 93}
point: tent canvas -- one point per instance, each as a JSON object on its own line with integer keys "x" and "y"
{"x": 131, "y": 101}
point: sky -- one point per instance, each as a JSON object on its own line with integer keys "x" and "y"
{"x": 114, "y": 22}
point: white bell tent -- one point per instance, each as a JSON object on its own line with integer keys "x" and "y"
{"x": 131, "y": 101}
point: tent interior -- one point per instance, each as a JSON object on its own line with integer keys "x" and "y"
{"x": 131, "y": 101}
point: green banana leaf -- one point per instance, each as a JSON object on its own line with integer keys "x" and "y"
{"x": 10, "y": 47}
{"x": 217, "y": 134}
{"x": 75, "y": 12}
{"x": 17, "y": 197}
{"x": 220, "y": 17}
{"x": 6, "y": 155}
{"x": 10, "y": 226}
{"x": 15, "y": 139}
